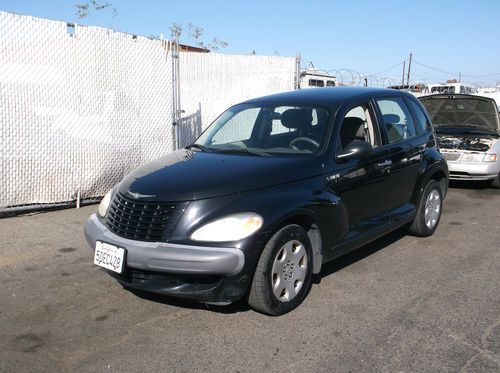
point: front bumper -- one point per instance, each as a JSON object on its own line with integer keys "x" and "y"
{"x": 167, "y": 257}
{"x": 473, "y": 170}
{"x": 207, "y": 274}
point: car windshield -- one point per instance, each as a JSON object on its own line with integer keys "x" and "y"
{"x": 266, "y": 129}
{"x": 462, "y": 112}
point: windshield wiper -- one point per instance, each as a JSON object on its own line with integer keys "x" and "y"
{"x": 201, "y": 147}
{"x": 242, "y": 151}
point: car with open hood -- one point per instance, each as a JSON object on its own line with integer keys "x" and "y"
{"x": 467, "y": 129}
{"x": 275, "y": 188}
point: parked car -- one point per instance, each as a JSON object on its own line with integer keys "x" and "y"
{"x": 275, "y": 188}
{"x": 468, "y": 129}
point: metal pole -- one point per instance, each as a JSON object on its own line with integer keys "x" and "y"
{"x": 178, "y": 90}
{"x": 403, "y": 79}
{"x": 173, "y": 48}
{"x": 409, "y": 68}
{"x": 297, "y": 71}
{"x": 459, "y": 76}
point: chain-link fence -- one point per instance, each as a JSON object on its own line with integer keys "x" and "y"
{"x": 82, "y": 106}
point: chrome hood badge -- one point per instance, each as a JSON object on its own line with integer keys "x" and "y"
{"x": 139, "y": 195}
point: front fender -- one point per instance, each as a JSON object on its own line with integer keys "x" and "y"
{"x": 432, "y": 166}
{"x": 299, "y": 201}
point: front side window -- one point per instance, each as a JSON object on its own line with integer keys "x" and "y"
{"x": 267, "y": 129}
{"x": 358, "y": 124}
{"x": 398, "y": 121}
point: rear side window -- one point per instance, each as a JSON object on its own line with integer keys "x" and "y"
{"x": 397, "y": 118}
{"x": 422, "y": 125}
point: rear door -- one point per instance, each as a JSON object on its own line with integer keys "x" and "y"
{"x": 406, "y": 142}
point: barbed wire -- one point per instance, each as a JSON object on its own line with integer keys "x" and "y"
{"x": 351, "y": 77}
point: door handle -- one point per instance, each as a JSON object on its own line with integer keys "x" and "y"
{"x": 386, "y": 163}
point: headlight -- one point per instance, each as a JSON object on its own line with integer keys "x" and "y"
{"x": 490, "y": 158}
{"x": 103, "y": 207}
{"x": 230, "y": 228}
{"x": 478, "y": 157}
{"x": 472, "y": 157}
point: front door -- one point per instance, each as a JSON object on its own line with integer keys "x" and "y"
{"x": 362, "y": 184}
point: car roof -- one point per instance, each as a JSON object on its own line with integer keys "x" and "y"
{"x": 329, "y": 96}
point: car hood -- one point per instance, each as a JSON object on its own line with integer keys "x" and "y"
{"x": 462, "y": 111}
{"x": 189, "y": 175}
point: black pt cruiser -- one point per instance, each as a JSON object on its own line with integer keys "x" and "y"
{"x": 273, "y": 189}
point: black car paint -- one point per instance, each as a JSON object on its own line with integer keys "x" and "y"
{"x": 187, "y": 175}
{"x": 344, "y": 203}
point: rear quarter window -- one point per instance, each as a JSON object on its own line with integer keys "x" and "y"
{"x": 422, "y": 124}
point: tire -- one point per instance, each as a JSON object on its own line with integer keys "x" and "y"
{"x": 429, "y": 211}
{"x": 495, "y": 183}
{"x": 283, "y": 275}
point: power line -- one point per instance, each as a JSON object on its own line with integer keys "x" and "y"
{"x": 450, "y": 73}
{"x": 390, "y": 68}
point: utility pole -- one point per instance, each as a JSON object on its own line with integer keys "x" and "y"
{"x": 459, "y": 76}
{"x": 403, "y": 79}
{"x": 409, "y": 68}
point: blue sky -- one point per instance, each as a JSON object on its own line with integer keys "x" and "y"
{"x": 366, "y": 36}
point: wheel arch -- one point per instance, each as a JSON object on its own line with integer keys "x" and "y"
{"x": 310, "y": 225}
{"x": 432, "y": 167}
{"x": 442, "y": 180}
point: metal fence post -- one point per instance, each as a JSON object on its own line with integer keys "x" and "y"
{"x": 175, "y": 89}
{"x": 297, "y": 71}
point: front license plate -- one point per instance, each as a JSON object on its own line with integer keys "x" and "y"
{"x": 109, "y": 256}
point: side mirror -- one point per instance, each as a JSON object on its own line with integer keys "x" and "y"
{"x": 355, "y": 149}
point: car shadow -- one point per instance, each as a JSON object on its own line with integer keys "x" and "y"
{"x": 359, "y": 254}
{"x": 239, "y": 306}
{"x": 470, "y": 184}
{"x": 242, "y": 306}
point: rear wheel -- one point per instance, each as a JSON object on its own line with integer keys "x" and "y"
{"x": 283, "y": 275}
{"x": 429, "y": 211}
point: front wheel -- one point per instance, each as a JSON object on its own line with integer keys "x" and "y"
{"x": 283, "y": 275}
{"x": 429, "y": 211}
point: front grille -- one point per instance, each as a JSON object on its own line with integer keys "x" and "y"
{"x": 143, "y": 220}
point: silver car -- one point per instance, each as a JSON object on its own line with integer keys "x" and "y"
{"x": 467, "y": 128}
